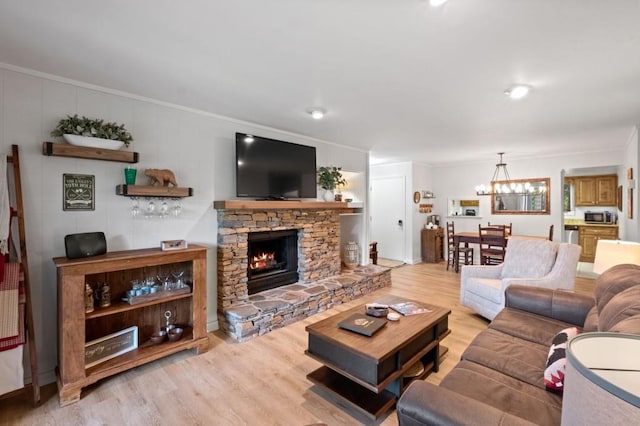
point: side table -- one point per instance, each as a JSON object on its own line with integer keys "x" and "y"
{"x": 432, "y": 246}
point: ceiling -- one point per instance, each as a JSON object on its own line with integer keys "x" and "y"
{"x": 397, "y": 77}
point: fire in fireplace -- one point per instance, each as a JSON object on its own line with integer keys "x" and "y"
{"x": 273, "y": 259}
{"x": 263, "y": 261}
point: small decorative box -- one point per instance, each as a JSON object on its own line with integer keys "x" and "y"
{"x": 376, "y": 310}
{"x": 173, "y": 245}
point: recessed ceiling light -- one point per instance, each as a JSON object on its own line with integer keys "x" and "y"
{"x": 248, "y": 138}
{"x": 317, "y": 113}
{"x": 436, "y": 3}
{"x": 518, "y": 91}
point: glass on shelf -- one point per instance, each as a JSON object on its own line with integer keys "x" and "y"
{"x": 165, "y": 281}
{"x": 178, "y": 278}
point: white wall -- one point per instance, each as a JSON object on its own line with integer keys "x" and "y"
{"x": 631, "y": 227}
{"x": 421, "y": 181}
{"x": 197, "y": 146}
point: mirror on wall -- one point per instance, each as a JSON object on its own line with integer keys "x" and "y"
{"x": 531, "y": 197}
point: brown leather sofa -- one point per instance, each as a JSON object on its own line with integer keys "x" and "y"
{"x": 499, "y": 379}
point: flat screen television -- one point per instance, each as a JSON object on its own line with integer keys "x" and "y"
{"x": 272, "y": 169}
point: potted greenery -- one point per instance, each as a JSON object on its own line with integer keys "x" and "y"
{"x": 329, "y": 178}
{"x": 92, "y": 132}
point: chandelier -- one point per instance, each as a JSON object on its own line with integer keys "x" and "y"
{"x": 504, "y": 185}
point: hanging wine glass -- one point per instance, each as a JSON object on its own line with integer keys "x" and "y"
{"x": 164, "y": 209}
{"x": 135, "y": 208}
{"x": 151, "y": 208}
{"x": 177, "y": 208}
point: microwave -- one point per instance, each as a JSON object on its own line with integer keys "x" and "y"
{"x": 598, "y": 217}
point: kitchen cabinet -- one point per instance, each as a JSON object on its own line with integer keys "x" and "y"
{"x": 595, "y": 190}
{"x": 588, "y": 237}
{"x": 432, "y": 245}
{"x": 79, "y": 327}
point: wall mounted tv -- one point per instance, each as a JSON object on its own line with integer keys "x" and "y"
{"x": 273, "y": 169}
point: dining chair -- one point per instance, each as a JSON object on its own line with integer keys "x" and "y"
{"x": 373, "y": 252}
{"x": 465, "y": 253}
{"x": 493, "y": 244}
{"x": 507, "y": 228}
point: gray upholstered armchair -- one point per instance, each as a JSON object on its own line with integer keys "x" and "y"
{"x": 528, "y": 261}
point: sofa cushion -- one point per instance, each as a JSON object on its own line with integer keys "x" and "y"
{"x": 528, "y": 258}
{"x": 613, "y": 281}
{"x": 511, "y": 355}
{"x": 591, "y": 322}
{"x": 623, "y": 305}
{"x": 528, "y": 326}
{"x": 558, "y": 304}
{"x": 630, "y": 325}
{"x": 557, "y": 359}
{"x": 505, "y": 393}
{"x": 424, "y": 403}
{"x": 488, "y": 288}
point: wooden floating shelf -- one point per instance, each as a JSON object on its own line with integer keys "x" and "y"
{"x": 274, "y": 204}
{"x": 67, "y": 150}
{"x": 153, "y": 191}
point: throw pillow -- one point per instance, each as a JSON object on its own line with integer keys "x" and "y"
{"x": 528, "y": 258}
{"x": 556, "y": 360}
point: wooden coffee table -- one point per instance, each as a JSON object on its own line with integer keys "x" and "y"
{"x": 368, "y": 373}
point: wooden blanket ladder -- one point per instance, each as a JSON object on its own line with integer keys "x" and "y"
{"x": 18, "y": 213}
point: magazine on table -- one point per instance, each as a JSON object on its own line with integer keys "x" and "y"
{"x": 409, "y": 308}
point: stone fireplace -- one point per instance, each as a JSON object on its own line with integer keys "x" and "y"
{"x": 318, "y": 283}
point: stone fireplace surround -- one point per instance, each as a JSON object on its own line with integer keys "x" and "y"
{"x": 321, "y": 284}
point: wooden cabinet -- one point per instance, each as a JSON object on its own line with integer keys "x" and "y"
{"x": 606, "y": 189}
{"x": 596, "y": 190}
{"x": 432, "y": 245}
{"x": 588, "y": 237}
{"x": 117, "y": 270}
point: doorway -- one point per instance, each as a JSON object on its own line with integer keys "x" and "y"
{"x": 387, "y": 218}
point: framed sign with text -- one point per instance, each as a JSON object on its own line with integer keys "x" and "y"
{"x": 78, "y": 192}
{"x": 107, "y": 347}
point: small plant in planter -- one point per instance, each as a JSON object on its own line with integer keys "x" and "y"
{"x": 329, "y": 178}
{"x": 94, "y": 128}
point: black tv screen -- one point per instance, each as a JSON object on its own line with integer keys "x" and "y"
{"x": 273, "y": 169}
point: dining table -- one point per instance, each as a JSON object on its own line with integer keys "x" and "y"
{"x": 474, "y": 238}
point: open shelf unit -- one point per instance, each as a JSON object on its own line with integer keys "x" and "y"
{"x": 117, "y": 269}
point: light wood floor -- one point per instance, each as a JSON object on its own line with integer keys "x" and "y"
{"x": 261, "y": 382}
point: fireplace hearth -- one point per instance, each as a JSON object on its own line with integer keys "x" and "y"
{"x": 272, "y": 259}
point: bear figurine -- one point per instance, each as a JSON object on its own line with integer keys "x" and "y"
{"x": 162, "y": 177}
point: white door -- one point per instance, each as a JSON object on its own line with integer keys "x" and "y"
{"x": 388, "y": 217}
